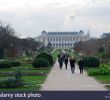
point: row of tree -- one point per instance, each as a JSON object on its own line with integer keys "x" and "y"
{"x": 12, "y": 46}
{"x": 92, "y": 47}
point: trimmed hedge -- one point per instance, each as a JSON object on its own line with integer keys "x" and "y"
{"x": 91, "y": 61}
{"x": 41, "y": 63}
{"x": 15, "y": 63}
{"x": 5, "y": 64}
{"x": 9, "y": 64}
{"x": 46, "y": 56}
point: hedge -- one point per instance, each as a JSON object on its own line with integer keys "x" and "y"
{"x": 5, "y": 64}
{"x": 15, "y": 63}
{"x": 91, "y": 61}
{"x": 46, "y": 56}
{"x": 9, "y": 64}
{"x": 41, "y": 63}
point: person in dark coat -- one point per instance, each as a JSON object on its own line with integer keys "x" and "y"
{"x": 81, "y": 65}
{"x": 72, "y": 64}
{"x": 60, "y": 62}
{"x": 66, "y": 61}
{"x": 61, "y": 59}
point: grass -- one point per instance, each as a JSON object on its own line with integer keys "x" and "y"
{"x": 25, "y": 69}
{"x": 90, "y": 69}
{"x": 105, "y": 79}
{"x": 35, "y": 79}
{"x": 37, "y": 71}
{"x": 33, "y": 84}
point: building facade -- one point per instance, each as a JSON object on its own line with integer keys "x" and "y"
{"x": 62, "y": 39}
{"x": 105, "y": 35}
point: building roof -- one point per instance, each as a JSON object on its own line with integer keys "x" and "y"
{"x": 62, "y": 33}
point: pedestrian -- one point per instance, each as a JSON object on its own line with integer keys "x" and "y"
{"x": 66, "y": 61}
{"x": 81, "y": 65}
{"x": 72, "y": 64}
{"x": 60, "y": 59}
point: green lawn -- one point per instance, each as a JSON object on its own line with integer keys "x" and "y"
{"x": 105, "y": 79}
{"x": 25, "y": 69}
{"x": 90, "y": 69}
{"x": 33, "y": 83}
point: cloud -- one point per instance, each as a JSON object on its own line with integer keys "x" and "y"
{"x": 30, "y": 17}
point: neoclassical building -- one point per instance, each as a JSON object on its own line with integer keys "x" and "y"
{"x": 62, "y": 39}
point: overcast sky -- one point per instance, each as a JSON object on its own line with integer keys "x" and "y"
{"x": 31, "y": 17}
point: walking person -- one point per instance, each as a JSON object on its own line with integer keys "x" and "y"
{"x": 61, "y": 59}
{"x": 72, "y": 64}
{"x": 81, "y": 65}
{"x": 66, "y": 61}
{"x": 60, "y": 62}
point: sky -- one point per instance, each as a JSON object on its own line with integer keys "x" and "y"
{"x": 30, "y": 17}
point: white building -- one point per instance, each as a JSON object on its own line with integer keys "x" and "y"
{"x": 62, "y": 39}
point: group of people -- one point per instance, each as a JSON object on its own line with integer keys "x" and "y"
{"x": 65, "y": 58}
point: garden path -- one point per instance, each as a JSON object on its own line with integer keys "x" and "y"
{"x": 64, "y": 80}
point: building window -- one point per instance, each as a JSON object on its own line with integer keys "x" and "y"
{"x": 68, "y": 44}
{"x": 76, "y": 39}
{"x": 53, "y": 44}
{"x": 59, "y": 44}
{"x": 50, "y": 39}
{"x": 53, "y": 39}
{"x": 73, "y": 39}
{"x": 71, "y": 44}
{"x": 59, "y": 39}
{"x": 65, "y": 44}
{"x": 56, "y": 39}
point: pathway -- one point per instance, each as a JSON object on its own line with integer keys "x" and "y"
{"x": 64, "y": 80}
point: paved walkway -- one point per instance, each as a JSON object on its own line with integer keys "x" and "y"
{"x": 65, "y": 80}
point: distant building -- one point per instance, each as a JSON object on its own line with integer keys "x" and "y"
{"x": 105, "y": 35}
{"x": 62, "y": 39}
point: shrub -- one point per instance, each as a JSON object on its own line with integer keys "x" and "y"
{"x": 91, "y": 61}
{"x": 103, "y": 70}
{"x": 15, "y": 63}
{"x": 5, "y": 64}
{"x": 46, "y": 56}
{"x": 41, "y": 62}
